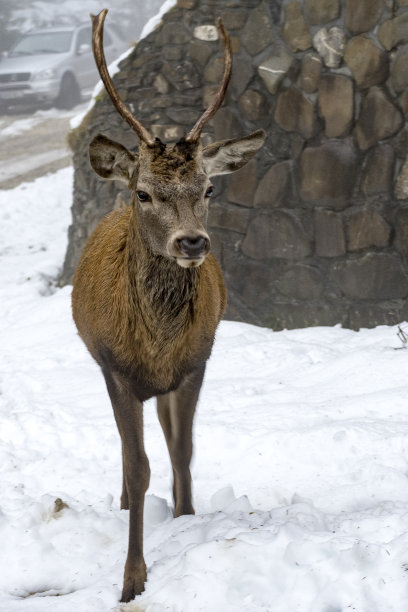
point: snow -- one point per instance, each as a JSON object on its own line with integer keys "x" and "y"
{"x": 300, "y": 466}
{"x": 113, "y": 68}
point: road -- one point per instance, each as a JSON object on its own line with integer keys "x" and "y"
{"x": 33, "y": 143}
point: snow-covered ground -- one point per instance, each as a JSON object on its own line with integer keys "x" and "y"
{"x": 300, "y": 468}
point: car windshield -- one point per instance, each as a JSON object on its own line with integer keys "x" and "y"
{"x": 46, "y": 42}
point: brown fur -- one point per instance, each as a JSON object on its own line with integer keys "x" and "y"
{"x": 147, "y": 300}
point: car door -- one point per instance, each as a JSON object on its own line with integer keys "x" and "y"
{"x": 84, "y": 65}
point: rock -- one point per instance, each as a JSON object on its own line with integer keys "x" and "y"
{"x": 378, "y": 171}
{"x": 200, "y": 51}
{"x": 295, "y": 113}
{"x": 330, "y": 45}
{"x": 328, "y": 173}
{"x": 161, "y": 84}
{"x": 226, "y": 124}
{"x": 403, "y": 102}
{"x": 188, "y": 4}
{"x": 336, "y": 104}
{"x": 228, "y": 217}
{"x": 301, "y": 282}
{"x": 367, "y": 228}
{"x": 295, "y": 31}
{"x": 362, "y": 16}
{"x": 394, "y": 31}
{"x": 241, "y": 76}
{"x": 243, "y": 184}
{"x": 311, "y": 68}
{"x": 276, "y": 234}
{"x": 275, "y": 67}
{"x": 182, "y": 115}
{"x": 206, "y": 32}
{"x": 273, "y": 188}
{"x": 257, "y": 33}
{"x": 321, "y": 11}
{"x": 401, "y": 185}
{"x": 182, "y": 75}
{"x": 401, "y": 231}
{"x": 167, "y": 133}
{"x": 368, "y": 63}
{"x": 172, "y": 33}
{"x": 329, "y": 233}
{"x": 253, "y": 104}
{"x": 399, "y": 71}
{"x": 373, "y": 276}
{"x": 379, "y": 119}
{"x": 234, "y": 20}
{"x": 214, "y": 71}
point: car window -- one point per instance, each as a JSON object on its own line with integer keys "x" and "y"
{"x": 84, "y": 37}
{"x": 45, "y": 42}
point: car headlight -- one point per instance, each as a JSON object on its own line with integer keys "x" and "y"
{"x": 44, "y": 75}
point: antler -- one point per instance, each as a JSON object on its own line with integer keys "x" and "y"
{"x": 194, "y": 134}
{"x": 97, "y": 46}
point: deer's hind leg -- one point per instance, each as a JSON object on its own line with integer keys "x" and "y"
{"x": 176, "y": 414}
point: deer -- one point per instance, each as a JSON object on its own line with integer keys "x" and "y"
{"x": 148, "y": 294}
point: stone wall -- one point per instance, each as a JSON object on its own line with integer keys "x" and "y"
{"x": 314, "y": 231}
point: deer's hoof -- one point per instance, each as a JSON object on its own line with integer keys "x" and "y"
{"x": 133, "y": 584}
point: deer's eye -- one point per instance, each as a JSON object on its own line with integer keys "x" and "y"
{"x": 142, "y": 196}
{"x": 209, "y": 191}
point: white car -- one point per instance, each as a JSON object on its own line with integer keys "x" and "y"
{"x": 53, "y": 66}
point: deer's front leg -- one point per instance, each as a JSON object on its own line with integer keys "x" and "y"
{"x": 176, "y": 414}
{"x": 128, "y": 412}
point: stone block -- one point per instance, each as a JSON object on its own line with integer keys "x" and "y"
{"x": 226, "y": 216}
{"x": 253, "y": 105}
{"x": 373, "y": 276}
{"x": 185, "y": 116}
{"x": 200, "y": 51}
{"x": 394, "y": 31}
{"x": 329, "y": 233}
{"x": 336, "y": 104}
{"x": 226, "y": 124}
{"x": 167, "y": 133}
{"x": 401, "y": 231}
{"x": 362, "y": 16}
{"x": 206, "y": 32}
{"x": 327, "y": 174}
{"x": 273, "y": 189}
{"x": 311, "y": 68}
{"x": 241, "y": 76}
{"x": 277, "y": 234}
{"x": 258, "y": 33}
{"x": 378, "y": 170}
{"x": 214, "y": 71}
{"x": 399, "y": 71}
{"x": 161, "y": 84}
{"x": 296, "y": 113}
{"x": 242, "y": 185}
{"x": 183, "y": 74}
{"x": 301, "y": 282}
{"x": 330, "y": 45}
{"x": 403, "y": 102}
{"x": 233, "y": 20}
{"x": 368, "y": 63}
{"x": 367, "y": 228}
{"x": 295, "y": 31}
{"x": 275, "y": 67}
{"x": 321, "y": 11}
{"x": 172, "y": 33}
{"x": 379, "y": 119}
{"x": 401, "y": 185}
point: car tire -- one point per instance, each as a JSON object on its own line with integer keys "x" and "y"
{"x": 69, "y": 94}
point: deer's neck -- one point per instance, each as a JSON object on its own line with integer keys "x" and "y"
{"x": 163, "y": 292}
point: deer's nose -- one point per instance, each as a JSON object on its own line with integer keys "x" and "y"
{"x": 193, "y": 246}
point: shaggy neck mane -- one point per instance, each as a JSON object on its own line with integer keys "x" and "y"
{"x": 166, "y": 289}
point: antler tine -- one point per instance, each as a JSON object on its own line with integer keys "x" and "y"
{"x": 97, "y": 46}
{"x": 194, "y": 134}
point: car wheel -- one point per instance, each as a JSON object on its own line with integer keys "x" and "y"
{"x": 69, "y": 94}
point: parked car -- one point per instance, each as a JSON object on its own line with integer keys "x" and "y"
{"x": 53, "y": 66}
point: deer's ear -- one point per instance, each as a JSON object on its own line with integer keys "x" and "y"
{"x": 229, "y": 155}
{"x": 111, "y": 160}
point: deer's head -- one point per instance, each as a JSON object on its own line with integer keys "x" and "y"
{"x": 170, "y": 185}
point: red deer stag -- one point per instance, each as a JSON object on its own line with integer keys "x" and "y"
{"x": 148, "y": 295}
